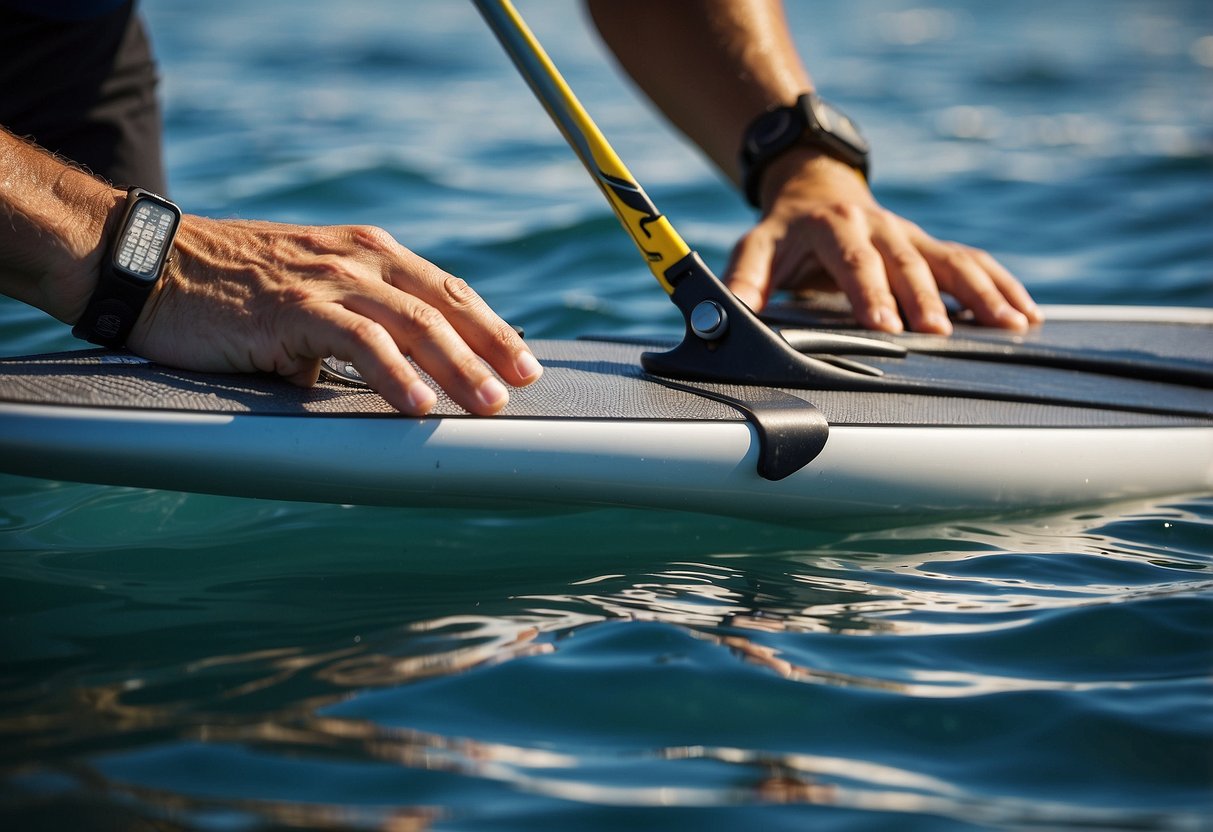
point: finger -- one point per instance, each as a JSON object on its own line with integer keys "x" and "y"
{"x": 477, "y": 324}
{"x": 843, "y": 242}
{"x": 1011, "y": 288}
{"x": 423, "y": 333}
{"x": 748, "y": 274}
{"x": 302, "y": 371}
{"x": 911, "y": 281}
{"x": 961, "y": 275}
{"x": 483, "y": 330}
{"x": 334, "y": 330}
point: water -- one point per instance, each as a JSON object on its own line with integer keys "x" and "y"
{"x": 181, "y": 661}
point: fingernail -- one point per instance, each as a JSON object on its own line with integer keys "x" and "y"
{"x": 1013, "y": 319}
{"x": 527, "y": 367}
{"x": 939, "y": 324}
{"x": 492, "y": 393}
{"x": 421, "y": 397}
{"x": 887, "y": 320}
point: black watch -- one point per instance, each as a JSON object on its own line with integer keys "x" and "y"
{"x": 133, "y": 263}
{"x": 810, "y": 122}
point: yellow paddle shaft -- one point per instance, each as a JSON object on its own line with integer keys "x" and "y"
{"x": 653, "y": 234}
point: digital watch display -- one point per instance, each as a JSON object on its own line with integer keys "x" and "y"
{"x": 143, "y": 244}
{"x": 134, "y": 262}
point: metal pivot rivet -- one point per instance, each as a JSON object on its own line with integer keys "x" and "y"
{"x": 708, "y": 320}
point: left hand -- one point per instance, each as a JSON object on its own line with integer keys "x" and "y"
{"x": 820, "y": 222}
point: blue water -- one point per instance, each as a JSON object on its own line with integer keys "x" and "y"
{"x": 178, "y": 661}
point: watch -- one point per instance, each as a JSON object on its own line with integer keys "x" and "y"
{"x": 810, "y": 122}
{"x": 133, "y": 263}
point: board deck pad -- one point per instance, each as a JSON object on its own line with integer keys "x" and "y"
{"x": 596, "y": 379}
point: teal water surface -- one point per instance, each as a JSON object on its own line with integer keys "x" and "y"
{"x": 176, "y": 661}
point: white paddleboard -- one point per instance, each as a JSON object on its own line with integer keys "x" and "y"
{"x": 1099, "y": 404}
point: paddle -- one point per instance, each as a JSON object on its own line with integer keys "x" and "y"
{"x": 724, "y": 340}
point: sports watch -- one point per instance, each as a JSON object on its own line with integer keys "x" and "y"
{"x": 810, "y": 122}
{"x": 133, "y": 263}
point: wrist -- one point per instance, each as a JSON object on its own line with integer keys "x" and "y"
{"x": 65, "y": 235}
{"x": 71, "y": 280}
{"x": 808, "y": 166}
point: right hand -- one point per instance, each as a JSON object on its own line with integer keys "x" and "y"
{"x": 821, "y": 225}
{"x": 259, "y": 296}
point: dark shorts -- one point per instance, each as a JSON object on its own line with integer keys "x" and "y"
{"x": 85, "y": 90}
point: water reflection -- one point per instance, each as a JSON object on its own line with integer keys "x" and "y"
{"x": 783, "y": 675}
{"x": 746, "y": 778}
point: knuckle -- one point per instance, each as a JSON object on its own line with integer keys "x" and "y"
{"x": 912, "y": 229}
{"x": 847, "y": 213}
{"x": 295, "y": 295}
{"x": 459, "y": 293}
{"x": 985, "y": 259}
{"x": 906, "y": 260}
{"x": 318, "y": 239}
{"x": 956, "y": 256}
{"x": 856, "y": 258}
{"x": 366, "y": 331}
{"x": 373, "y": 239}
{"x": 503, "y": 333}
{"x": 425, "y": 318}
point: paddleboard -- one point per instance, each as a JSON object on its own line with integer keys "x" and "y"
{"x": 1099, "y": 404}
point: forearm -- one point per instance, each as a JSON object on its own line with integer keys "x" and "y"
{"x": 712, "y": 66}
{"x": 53, "y": 219}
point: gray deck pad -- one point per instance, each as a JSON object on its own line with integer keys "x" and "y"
{"x": 599, "y": 380}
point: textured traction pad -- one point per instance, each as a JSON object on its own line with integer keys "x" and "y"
{"x": 589, "y": 380}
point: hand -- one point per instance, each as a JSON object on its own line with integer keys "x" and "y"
{"x": 259, "y": 296}
{"x": 244, "y": 296}
{"x": 821, "y": 222}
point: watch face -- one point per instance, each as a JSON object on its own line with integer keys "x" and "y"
{"x": 832, "y": 121}
{"x": 144, "y": 242}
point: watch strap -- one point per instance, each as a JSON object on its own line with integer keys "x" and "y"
{"x": 111, "y": 312}
{"x": 117, "y": 301}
